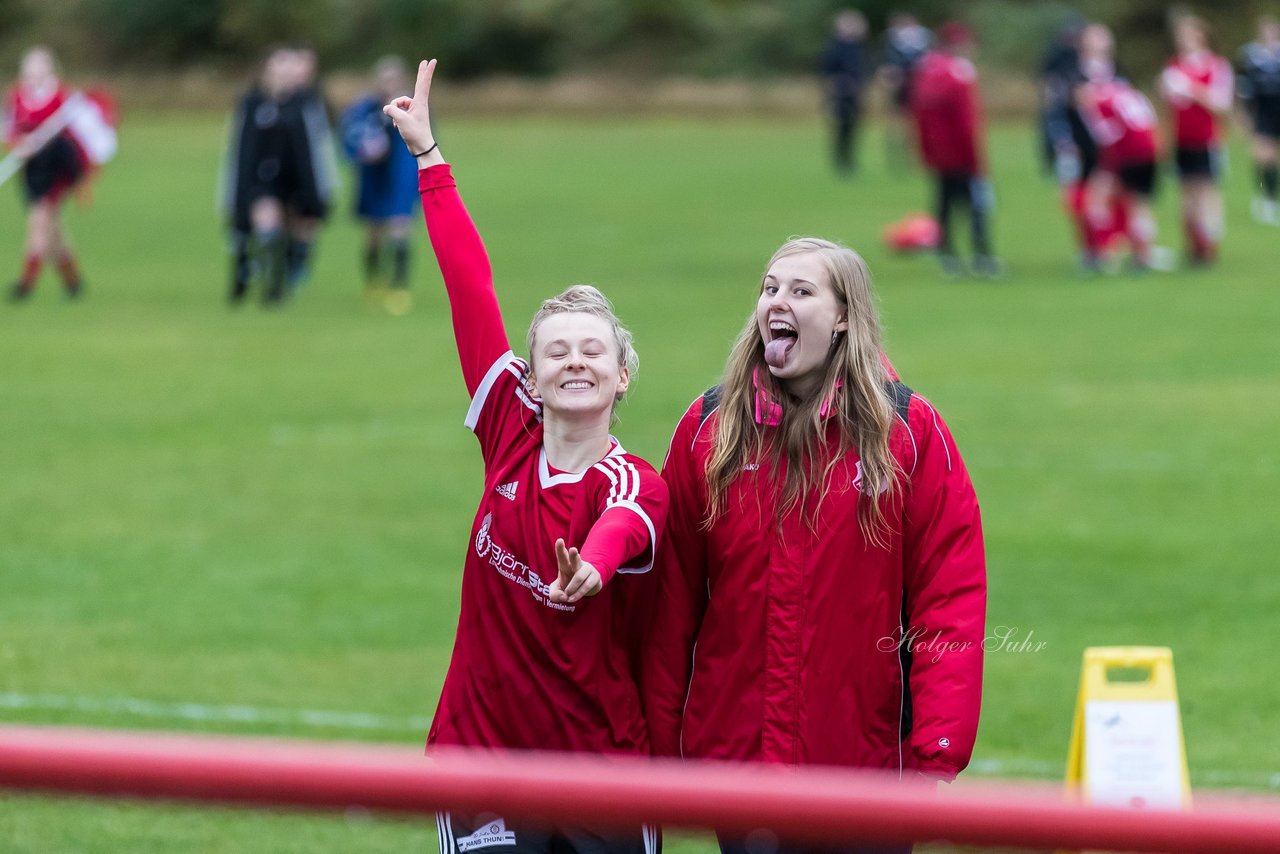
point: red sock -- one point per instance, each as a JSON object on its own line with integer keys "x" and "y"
{"x": 30, "y": 272}
{"x": 1195, "y": 239}
{"x": 1099, "y": 234}
{"x": 1119, "y": 219}
{"x": 1208, "y": 245}
{"x": 1088, "y": 234}
{"x": 67, "y": 268}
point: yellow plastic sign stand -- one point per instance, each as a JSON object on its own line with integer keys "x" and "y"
{"x": 1126, "y": 742}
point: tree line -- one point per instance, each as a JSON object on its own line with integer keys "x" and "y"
{"x": 474, "y": 38}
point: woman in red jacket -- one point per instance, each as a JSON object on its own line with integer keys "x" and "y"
{"x": 948, "y": 114}
{"x": 823, "y": 574}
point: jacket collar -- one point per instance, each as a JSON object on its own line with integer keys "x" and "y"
{"x": 768, "y": 410}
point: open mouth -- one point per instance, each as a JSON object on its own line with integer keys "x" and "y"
{"x": 782, "y": 337}
{"x": 576, "y": 385}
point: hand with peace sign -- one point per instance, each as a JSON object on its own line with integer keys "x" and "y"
{"x": 576, "y": 578}
{"x": 413, "y": 119}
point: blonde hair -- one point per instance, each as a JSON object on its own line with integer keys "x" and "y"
{"x": 855, "y": 380}
{"x": 586, "y": 299}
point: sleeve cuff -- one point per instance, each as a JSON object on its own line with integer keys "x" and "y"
{"x": 936, "y": 769}
{"x": 435, "y": 177}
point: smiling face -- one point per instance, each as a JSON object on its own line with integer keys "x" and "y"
{"x": 798, "y": 314}
{"x": 576, "y": 368}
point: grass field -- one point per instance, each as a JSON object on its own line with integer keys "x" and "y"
{"x": 235, "y": 520}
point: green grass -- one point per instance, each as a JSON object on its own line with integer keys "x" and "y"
{"x": 219, "y": 507}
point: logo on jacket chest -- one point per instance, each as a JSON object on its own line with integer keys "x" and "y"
{"x": 857, "y": 480}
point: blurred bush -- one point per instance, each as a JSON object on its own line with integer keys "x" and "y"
{"x": 537, "y": 37}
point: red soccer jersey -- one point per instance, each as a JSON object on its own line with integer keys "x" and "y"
{"x": 526, "y": 672}
{"x": 1198, "y": 87}
{"x": 28, "y": 110}
{"x": 799, "y": 644}
{"x": 944, "y": 101}
{"x": 1122, "y": 122}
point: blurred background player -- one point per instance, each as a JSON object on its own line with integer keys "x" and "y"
{"x": 1199, "y": 87}
{"x": 52, "y": 167}
{"x": 1259, "y": 69}
{"x": 385, "y": 196}
{"x": 948, "y": 114}
{"x": 1123, "y": 125}
{"x": 311, "y": 207}
{"x": 1075, "y": 153}
{"x": 906, "y": 41}
{"x": 844, "y": 73}
{"x": 1060, "y": 141}
{"x": 279, "y": 176}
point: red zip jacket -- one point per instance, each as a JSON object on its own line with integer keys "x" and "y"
{"x": 814, "y": 647}
{"x": 944, "y": 102}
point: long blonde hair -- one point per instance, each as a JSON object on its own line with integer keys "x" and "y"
{"x": 855, "y": 381}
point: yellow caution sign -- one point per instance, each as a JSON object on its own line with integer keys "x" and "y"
{"x": 1126, "y": 742}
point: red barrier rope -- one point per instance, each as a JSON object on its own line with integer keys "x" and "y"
{"x": 809, "y": 805}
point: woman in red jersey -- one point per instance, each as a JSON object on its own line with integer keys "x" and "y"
{"x": 1122, "y": 123}
{"x": 544, "y": 657}
{"x": 1198, "y": 86}
{"x": 824, "y": 585}
{"x": 53, "y": 166}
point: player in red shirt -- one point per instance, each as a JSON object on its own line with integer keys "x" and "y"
{"x": 824, "y": 583}
{"x": 1198, "y": 86}
{"x": 1076, "y": 152}
{"x": 53, "y": 167}
{"x": 944, "y": 102}
{"x": 1123, "y": 124}
{"x": 546, "y": 651}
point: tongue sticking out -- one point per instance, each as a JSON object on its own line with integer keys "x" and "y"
{"x": 775, "y": 352}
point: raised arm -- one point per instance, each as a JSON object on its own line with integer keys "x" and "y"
{"x": 464, "y": 264}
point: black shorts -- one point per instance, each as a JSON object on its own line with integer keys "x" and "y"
{"x": 1266, "y": 117}
{"x": 277, "y": 178}
{"x": 766, "y": 841}
{"x": 1198, "y": 163}
{"x": 1138, "y": 178}
{"x": 487, "y": 833}
{"x": 53, "y": 170}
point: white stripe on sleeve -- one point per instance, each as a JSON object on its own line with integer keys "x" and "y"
{"x": 509, "y": 362}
